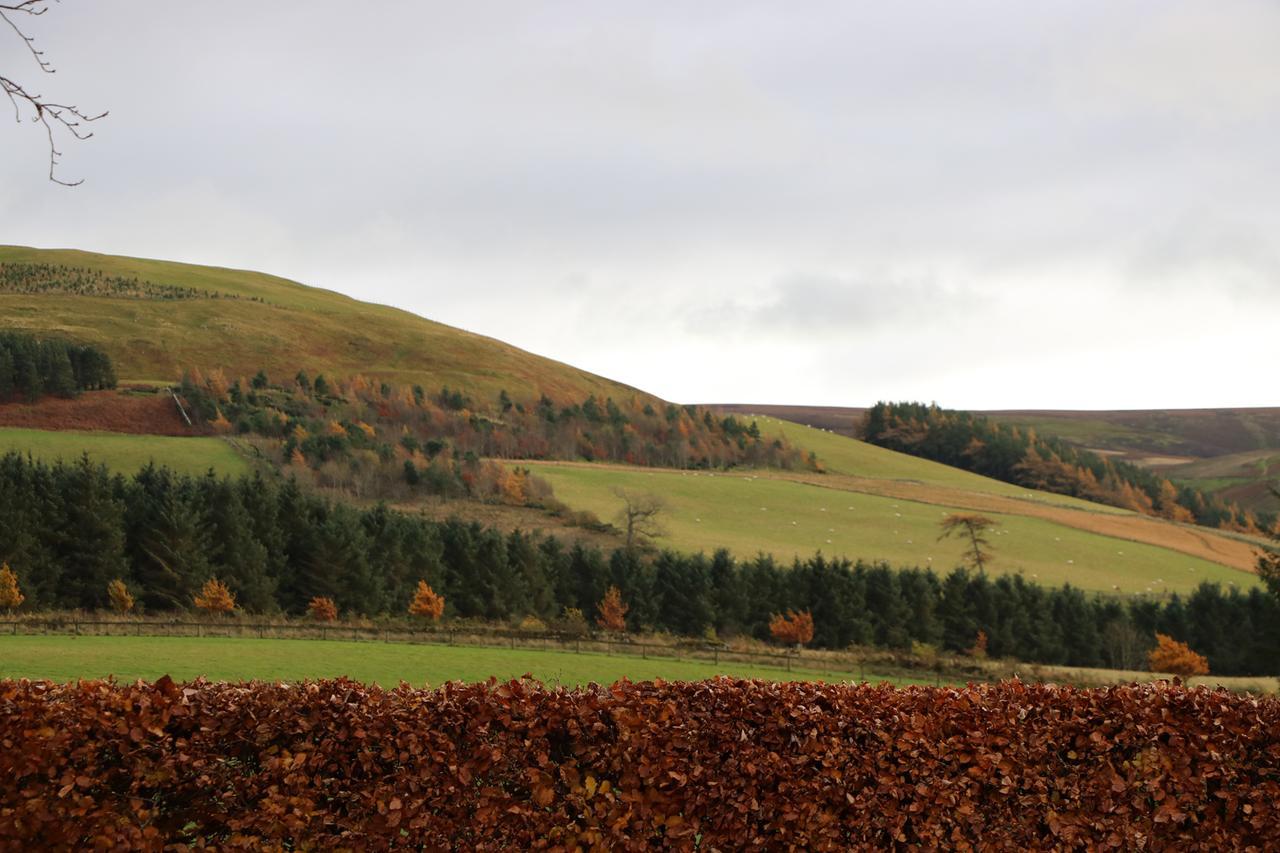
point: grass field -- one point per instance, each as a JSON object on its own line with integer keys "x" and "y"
{"x": 293, "y": 328}
{"x": 844, "y": 455}
{"x": 61, "y": 658}
{"x": 128, "y": 453}
{"x": 752, "y": 512}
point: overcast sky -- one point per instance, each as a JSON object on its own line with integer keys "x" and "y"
{"x": 990, "y": 205}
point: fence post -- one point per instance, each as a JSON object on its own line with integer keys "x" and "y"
{"x": 75, "y": 624}
{"x": 513, "y": 642}
{"x": 788, "y": 663}
{"x": 577, "y": 646}
{"x": 717, "y": 650}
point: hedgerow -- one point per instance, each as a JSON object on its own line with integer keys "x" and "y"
{"x": 713, "y": 765}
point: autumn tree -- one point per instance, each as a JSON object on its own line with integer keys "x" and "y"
{"x": 119, "y": 596}
{"x": 639, "y": 518}
{"x": 1171, "y": 656}
{"x": 57, "y": 119}
{"x": 427, "y": 603}
{"x": 793, "y": 628}
{"x": 612, "y": 611}
{"x": 10, "y": 595}
{"x": 215, "y": 597}
{"x": 979, "y": 649}
{"x": 969, "y": 528}
{"x": 322, "y": 609}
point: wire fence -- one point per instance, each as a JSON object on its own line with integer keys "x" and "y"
{"x": 714, "y": 653}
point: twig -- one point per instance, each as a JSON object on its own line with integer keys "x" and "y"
{"x": 47, "y": 113}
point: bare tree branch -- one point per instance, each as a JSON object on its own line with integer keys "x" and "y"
{"x": 52, "y": 116}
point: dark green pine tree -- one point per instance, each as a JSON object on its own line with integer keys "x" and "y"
{"x": 236, "y": 556}
{"x": 169, "y": 540}
{"x": 89, "y": 533}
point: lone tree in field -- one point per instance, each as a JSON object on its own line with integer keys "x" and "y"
{"x": 792, "y": 629}
{"x": 638, "y": 518}
{"x": 970, "y": 528}
{"x": 426, "y": 603}
{"x": 10, "y": 595}
{"x": 118, "y": 595}
{"x": 215, "y": 597}
{"x": 1171, "y": 656}
{"x": 613, "y": 612}
{"x": 56, "y": 119}
{"x": 322, "y": 609}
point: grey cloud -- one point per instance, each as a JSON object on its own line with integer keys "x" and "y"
{"x": 822, "y": 305}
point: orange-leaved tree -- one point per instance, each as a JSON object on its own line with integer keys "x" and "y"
{"x": 119, "y": 596}
{"x": 794, "y": 628}
{"x": 1171, "y": 656}
{"x": 613, "y": 613}
{"x": 979, "y": 649}
{"x": 215, "y": 597}
{"x": 426, "y": 603}
{"x": 322, "y": 609}
{"x": 10, "y": 595}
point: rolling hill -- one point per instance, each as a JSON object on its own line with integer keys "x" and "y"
{"x": 157, "y": 318}
{"x": 880, "y": 505}
{"x": 1232, "y": 454}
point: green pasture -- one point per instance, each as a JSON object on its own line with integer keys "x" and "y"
{"x": 843, "y": 455}
{"x": 749, "y": 513}
{"x": 64, "y": 658}
{"x": 126, "y": 454}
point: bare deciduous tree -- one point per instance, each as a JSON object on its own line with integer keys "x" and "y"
{"x": 970, "y": 527}
{"x": 56, "y": 118}
{"x": 639, "y": 517}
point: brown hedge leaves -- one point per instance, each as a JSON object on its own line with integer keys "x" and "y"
{"x": 721, "y": 765}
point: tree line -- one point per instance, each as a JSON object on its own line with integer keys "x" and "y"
{"x": 31, "y": 368}
{"x": 383, "y": 440}
{"x": 1020, "y": 456}
{"x": 69, "y": 530}
{"x": 84, "y": 281}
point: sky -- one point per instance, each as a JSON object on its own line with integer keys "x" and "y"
{"x": 983, "y": 204}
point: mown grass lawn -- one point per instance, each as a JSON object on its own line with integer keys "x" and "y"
{"x": 62, "y": 658}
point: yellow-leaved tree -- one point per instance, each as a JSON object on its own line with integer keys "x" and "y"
{"x": 215, "y": 597}
{"x": 426, "y": 603}
{"x": 10, "y": 595}
{"x": 1171, "y": 656}
{"x": 118, "y": 594}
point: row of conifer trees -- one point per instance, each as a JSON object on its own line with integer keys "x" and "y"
{"x": 31, "y": 368}
{"x": 69, "y": 530}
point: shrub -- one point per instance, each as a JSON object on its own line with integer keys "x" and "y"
{"x": 1171, "y": 656}
{"x": 322, "y": 609}
{"x": 713, "y": 765}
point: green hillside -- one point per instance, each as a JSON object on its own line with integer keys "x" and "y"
{"x": 125, "y": 454}
{"x": 260, "y": 321}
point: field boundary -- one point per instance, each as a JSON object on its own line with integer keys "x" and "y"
{"x": 787, "y": 661}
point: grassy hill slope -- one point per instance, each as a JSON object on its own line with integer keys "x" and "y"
{"x": 277, "y": 325}
{"x": 880, "y": 505}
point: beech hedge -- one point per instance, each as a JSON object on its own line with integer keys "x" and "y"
{"x": 715, "y": 765}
